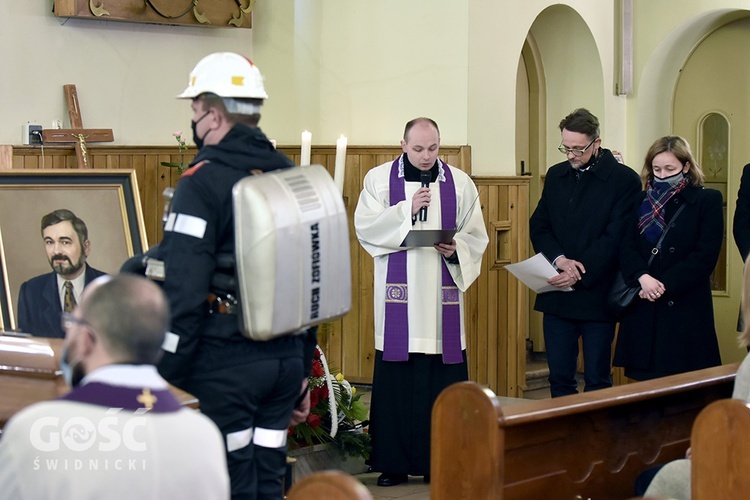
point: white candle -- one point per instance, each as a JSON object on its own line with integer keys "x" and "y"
{"x": 306, "y": 147}
{"x": 338, "y": 173}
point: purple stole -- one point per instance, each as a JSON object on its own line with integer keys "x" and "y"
{"x": 396, "y": 335}
{"x": 128, "y": 398}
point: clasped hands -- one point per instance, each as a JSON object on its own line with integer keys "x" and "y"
{"x": 422, "y": 199}
{"x": 651, "y": 288}
{"x": 570, "y": 272}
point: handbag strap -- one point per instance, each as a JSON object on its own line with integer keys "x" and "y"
{"x": 657, "y": 248}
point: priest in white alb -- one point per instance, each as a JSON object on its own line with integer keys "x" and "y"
{"x": 418, "y": 290}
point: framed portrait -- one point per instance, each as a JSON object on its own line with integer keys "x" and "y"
{"x": 5, "y": 309}
{"x": 106, "y": 200}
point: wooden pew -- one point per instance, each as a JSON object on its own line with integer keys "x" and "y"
{"x": 329, "y": 485}
{"x": 590, "y": 445}
{"x": 30, "y": 372}
{"x": 720, "y": 440}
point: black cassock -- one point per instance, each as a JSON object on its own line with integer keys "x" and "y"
{"x": 403, "y": 393}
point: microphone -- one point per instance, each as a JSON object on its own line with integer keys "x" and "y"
{"x": 426, "y": 177}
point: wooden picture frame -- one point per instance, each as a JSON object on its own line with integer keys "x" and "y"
{"x": 106, "y": 200}
{"x": 6, "y": 312}
{"x": 207, "y": 13}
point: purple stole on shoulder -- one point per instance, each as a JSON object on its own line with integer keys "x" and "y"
{"x": 396, "y": 335}
{"x": 127, "y": 398}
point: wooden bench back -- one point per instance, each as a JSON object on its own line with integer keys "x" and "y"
{"x": 592, "y": 444}
{"x": 721, "y": 451}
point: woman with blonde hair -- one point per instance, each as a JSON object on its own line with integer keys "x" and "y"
{"x": 670, "y": 249}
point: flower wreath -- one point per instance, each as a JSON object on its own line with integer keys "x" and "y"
{"x": 337, "y": 416}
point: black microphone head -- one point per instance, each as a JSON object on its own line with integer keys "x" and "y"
{"x": 426, "y": 177}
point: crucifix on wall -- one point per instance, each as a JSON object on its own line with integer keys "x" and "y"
{"x": 76, "y": 133}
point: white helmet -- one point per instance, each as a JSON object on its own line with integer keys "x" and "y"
{"x": 227, "y": 75}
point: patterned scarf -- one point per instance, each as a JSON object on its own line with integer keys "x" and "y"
{"x": 651, "y": 220}
{"x": 396, "y": 335}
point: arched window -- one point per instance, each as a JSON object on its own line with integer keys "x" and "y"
{"x": 713, "y": 136}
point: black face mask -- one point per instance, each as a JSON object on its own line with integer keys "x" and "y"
{"x": 669, "y": 182}
{"x": 72, "y": 372}
{"x": 193, "y": 125}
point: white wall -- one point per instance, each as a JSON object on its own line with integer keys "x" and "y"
{"x": 355, "y": 67}
{"x": 363, "y": 69}
{"x": 333, "y": 66}
{"x": 667, "y": 32}
{"x": 126, "y": 74}
{"x": 498, "y": 30}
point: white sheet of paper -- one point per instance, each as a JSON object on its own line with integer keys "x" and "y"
{"x": 534, "y": 273}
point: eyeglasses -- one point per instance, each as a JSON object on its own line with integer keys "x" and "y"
{"x": 67, "y": 320}
{"x": 575, "y": 152}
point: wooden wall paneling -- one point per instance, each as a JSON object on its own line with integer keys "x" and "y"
{"x": 363, "y": 273}
{"x": 138, "y": 164}
{"x": 6, "y": 157}
{"x": 463, "y": 160}
{"x": 522, "y": 319}
{"x": 165, "y": 177}
{"x": 500, "y": 226}
{"x": 97, "y": 161}
{"x": 499, "y": 302}
{"x": 113, "y": 161}
{"x": 339, "y": 344}
{"x": 157, "y": 178}
{"x": 71, "y": 161}
{"x": 491, "y": 311}
{"x": 494, "y": 313}
{"x": 516, "y": 360}
{"x": 32, "y": 162}
{"x": 353, "y": 356}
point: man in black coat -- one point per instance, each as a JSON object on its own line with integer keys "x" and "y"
{"x": 578, "y": 225}
{"x": 41, "y": 300}
{"x": 741, "y": 224}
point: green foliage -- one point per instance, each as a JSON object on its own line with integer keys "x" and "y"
{"x": 353, "y": 443}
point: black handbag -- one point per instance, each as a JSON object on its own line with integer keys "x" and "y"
{"x": 621, "y": 295}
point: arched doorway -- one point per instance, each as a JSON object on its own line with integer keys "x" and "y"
{"x": 711, "y": 109}
{"x": 563, "y": 71}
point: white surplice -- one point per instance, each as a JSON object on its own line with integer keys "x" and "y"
{"x": 381, "y": 228}
{"x": 69, "y": 449}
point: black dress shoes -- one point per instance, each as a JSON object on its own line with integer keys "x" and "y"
{"x": 386, "y": 479}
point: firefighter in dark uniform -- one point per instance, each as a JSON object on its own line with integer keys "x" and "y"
{"x": 248, "y": 388}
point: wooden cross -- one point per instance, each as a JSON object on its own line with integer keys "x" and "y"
{"x": 77, "y": 134}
